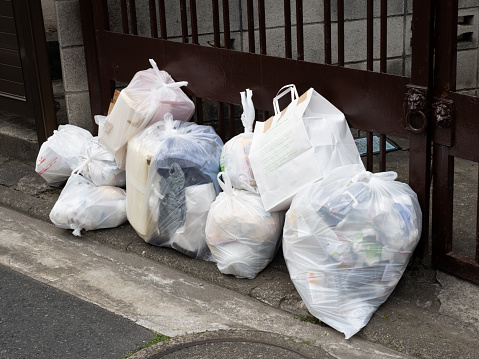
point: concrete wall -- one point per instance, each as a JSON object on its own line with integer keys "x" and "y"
{"x": 398, "y": 49}
{"x": 49, "y": 16}
{"x": 73, "y": 63}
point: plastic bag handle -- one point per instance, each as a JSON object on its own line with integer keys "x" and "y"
{"x": 288, "y": 88}
{"x": 169, "y": 123}
{"x": 367, "y": 176}
{"x": 173, "y": 84}
{"x": 248, "y": 115}
{"x": 225, "y": 183}
{"x": 81, "y": 166}
{"x": 155, "y": 67}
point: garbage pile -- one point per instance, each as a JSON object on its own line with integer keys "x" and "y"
{"x": 296, "y": 182}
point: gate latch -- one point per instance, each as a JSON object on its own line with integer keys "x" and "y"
{"x": 415, "y": 109}
{"x": 443, "y": 116}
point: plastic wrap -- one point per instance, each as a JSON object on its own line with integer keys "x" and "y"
{"x": 147, "y": 98}
{"x": 171, "y": 183}
{"x": 98, "y": 165}
{"x": 58, "y": 156}
{"x": 347, "y": 241}
{"x": 235, "y": 155}
{"x": 82, "y": 205}
{"x": 242, "y": 236}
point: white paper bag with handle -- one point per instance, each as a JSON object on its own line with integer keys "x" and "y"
{"x": 299, "y": 146}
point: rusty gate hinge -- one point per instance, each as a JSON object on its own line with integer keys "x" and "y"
{"x": 415, "y": 109}
{"x": 443, "y": 111}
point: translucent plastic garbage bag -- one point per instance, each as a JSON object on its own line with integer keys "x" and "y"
{"x": 235, "y": 155}
{"x": 147, "y": 98}
{"x": 171, "y": 183}
{"x": 98, "y": 165}
{"x": 242, "y": 236}
{"x": 347, "y": 241}
{"x": 82, "y": 205}
{"x": 58, "y": 156}
{"x": 195, "y": 148}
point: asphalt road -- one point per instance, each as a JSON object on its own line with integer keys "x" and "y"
{"x": 39, "y": 321}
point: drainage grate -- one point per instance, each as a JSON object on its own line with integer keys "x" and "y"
{"x": 362, "y": 145}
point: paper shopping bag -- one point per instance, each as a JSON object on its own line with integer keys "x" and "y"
{"x": 299, "y": 146}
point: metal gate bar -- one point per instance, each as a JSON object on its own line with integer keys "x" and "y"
{"x": 287, "y": 29}
{"x": 153, "y": 22}
{"x": 262, "y": 27}
{"x": 420, "y": 143}
{"x": 194, "y": 22}
{"x": 161, "y": 8}
{"x": 133, "y": 20}
{"x": 383, "y": 68}
{"x": 299, "y": 29}
{"x": 340, "y": 10}
{"x": 184, "y": 21}
{"x": 327, "y": 31}
{"x": 443, "y": 163}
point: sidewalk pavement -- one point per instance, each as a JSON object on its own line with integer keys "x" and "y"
{"x": 429, "y": 315}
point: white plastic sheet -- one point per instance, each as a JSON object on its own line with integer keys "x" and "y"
{"x": 235, "y": 155}
{"x": 147, "y": 98}
{"x": 242, "y": 236}
{"x": 58, "y": 156}
{"x": 82, "y": 205}
{"x": 347, "y": 241}
{"x": 171, "y": 183}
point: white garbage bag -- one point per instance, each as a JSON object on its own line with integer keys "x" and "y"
{"x": 235, "y": 155}
{"x": 347, "y": 241}
{"x": 242, "y": 236}
{"x": 171, "y": 183}
{"x": 98, "y": 165}
{"x": 82, "y": 205}
{"x": 147, "y": 98}
{"x": 58, "y": 156}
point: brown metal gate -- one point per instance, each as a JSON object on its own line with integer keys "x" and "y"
{"x": 455, "y": 132}
{"x": 382, "y": 104}
{"x": 25, "y": 82}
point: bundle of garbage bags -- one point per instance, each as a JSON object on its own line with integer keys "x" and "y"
{"x": 295, "y": 181}
{"x": 94, "y": 167}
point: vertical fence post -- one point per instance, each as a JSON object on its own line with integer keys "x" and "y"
{"x": 443, "y": 163}
{"x": 420, "y": 143}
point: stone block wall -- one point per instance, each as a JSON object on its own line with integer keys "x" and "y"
{"x": 73, "y": 63}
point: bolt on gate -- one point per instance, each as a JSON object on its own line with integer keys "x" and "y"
{"x": 224, "y": 47}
